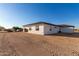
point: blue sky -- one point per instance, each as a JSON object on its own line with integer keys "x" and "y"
{"x": 21, "y": 14}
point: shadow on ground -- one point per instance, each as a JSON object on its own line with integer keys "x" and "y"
{"x": 75, "y": 35}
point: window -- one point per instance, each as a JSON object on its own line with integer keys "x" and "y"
{"x": 50, "y": 28}
{"x": 30, "y": 28}
{"x": 55, "y": 27}
{"x": 37, "y": 28}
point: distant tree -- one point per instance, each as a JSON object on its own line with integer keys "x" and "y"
{"x": 17, "y": 29}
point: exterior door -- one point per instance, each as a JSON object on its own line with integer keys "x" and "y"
{"x": 59, "y": 30}
{"x": 26, "y": 30}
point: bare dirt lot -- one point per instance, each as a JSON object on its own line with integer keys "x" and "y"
{"x": 24, "y": 44}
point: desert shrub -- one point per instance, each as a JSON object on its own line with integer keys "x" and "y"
{"x": 17, "y": 29}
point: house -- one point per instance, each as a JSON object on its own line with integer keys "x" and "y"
{"x": 44, "y": 28}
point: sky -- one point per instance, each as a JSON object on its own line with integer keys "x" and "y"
{"x": 19, "y": 14}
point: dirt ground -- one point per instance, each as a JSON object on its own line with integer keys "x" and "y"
{"x": 24, "y": 44}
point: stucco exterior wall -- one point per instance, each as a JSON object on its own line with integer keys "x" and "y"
{"x": 45, "y": 29}
{"x": 54, "y": 30}
{"x": 34, "y": 31}
{"x": 67, "y": 30}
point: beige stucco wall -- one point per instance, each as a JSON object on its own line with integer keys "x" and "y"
{"x": 67, "y": 29}
{"x": 54, "y": 30}
{"x": 40, "y": 31}
{"x": 45, "y": 29}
